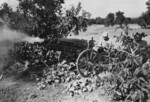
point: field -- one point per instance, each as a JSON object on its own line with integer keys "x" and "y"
{"x": 95, "y": 31}
{"x": 15, "y": 89}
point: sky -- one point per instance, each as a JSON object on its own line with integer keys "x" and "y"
{"x": 100, "y": 8}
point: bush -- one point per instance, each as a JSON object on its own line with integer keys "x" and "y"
{"x": 132, "y": 73}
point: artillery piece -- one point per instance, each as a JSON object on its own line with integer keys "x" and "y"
{"x": 68, "y": 49}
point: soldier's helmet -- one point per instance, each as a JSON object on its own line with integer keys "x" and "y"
{"x": 105, "y": 35}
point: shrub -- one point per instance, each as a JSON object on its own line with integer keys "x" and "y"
{"x": 132, "y": 73}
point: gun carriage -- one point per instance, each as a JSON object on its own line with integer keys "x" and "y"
{"x": 81, "y": 52}
{"x": 72, "y": 50}
{"x": 68, "y": 49}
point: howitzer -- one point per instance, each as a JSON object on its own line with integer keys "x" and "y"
{"x": 51, "y": 51}
{"x": 69, "y": 48}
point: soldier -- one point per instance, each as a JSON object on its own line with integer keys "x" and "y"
{"x": 138, "y": 39}
{"x": 141, "y": 46}
{"x": 103, "y": 42}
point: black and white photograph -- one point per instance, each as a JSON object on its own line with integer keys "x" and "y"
{"x": 74, "y": 50}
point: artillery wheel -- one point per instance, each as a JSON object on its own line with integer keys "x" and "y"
{"x": 86, "y": 62}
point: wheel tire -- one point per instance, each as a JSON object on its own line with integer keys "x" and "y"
{"x": 82, "y": 56}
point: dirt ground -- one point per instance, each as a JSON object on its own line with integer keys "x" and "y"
{"x": 15, "y": 89}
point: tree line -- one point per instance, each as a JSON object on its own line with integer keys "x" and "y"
{"x": 118, "y": 18}
{"x": 114, "y": 18}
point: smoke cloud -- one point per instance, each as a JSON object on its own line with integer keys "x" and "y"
{"x": 8, "y": 37}
{"x": 7, "y": 34}
{"x": 32, "y": 39}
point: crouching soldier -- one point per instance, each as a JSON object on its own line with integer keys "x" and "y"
{"x": 141, "y": 46}
{"x": 103, "y": 43}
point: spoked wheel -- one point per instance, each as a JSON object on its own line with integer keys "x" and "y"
{"x": 87, "y": 61}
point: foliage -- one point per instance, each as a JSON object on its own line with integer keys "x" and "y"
{"x": 43, "y": 16}
{"x": 73, "y": 21}
{"x": 36, "y": 54}
{"x": 14, "y": 19}
{"x": 117, "y": 18}
{"x": 131, "y": 71}
{"x": 92, "y": 21}
{"x": 99, "y": 20}
{"x": 120, "y": 18}
{"x": 129, "y": 68}
{"x": 132, "y": 82}
{"x": 110, "y": 19}
{"x": 104, "y": 21}
{"x": 5, "y": 11}
{"x": 44, "y": 19}
{"x": 127, "y": 20}
{"x": 57, "y": 73}
{"x": 144, "y": 20}
{"x": 148, "y": 5}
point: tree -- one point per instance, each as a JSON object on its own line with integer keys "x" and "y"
{"x": 86, "y": 14}
{"x": 144, "y": 19}
{"x": 120, "y": 18}
{"x": 44, "y": 16}
{"x": 46, "y": 21}
{"x": 148, "y": 5}
{"x": 73, "y": 21}
{"x": 5, "y": 12}
{"x": 14, "y": 19}
{"x": 127, "y": 20}
{"x": 110, "y": 19}
{"x": 99, "y": 20}
{"x": 92, "y": 21}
